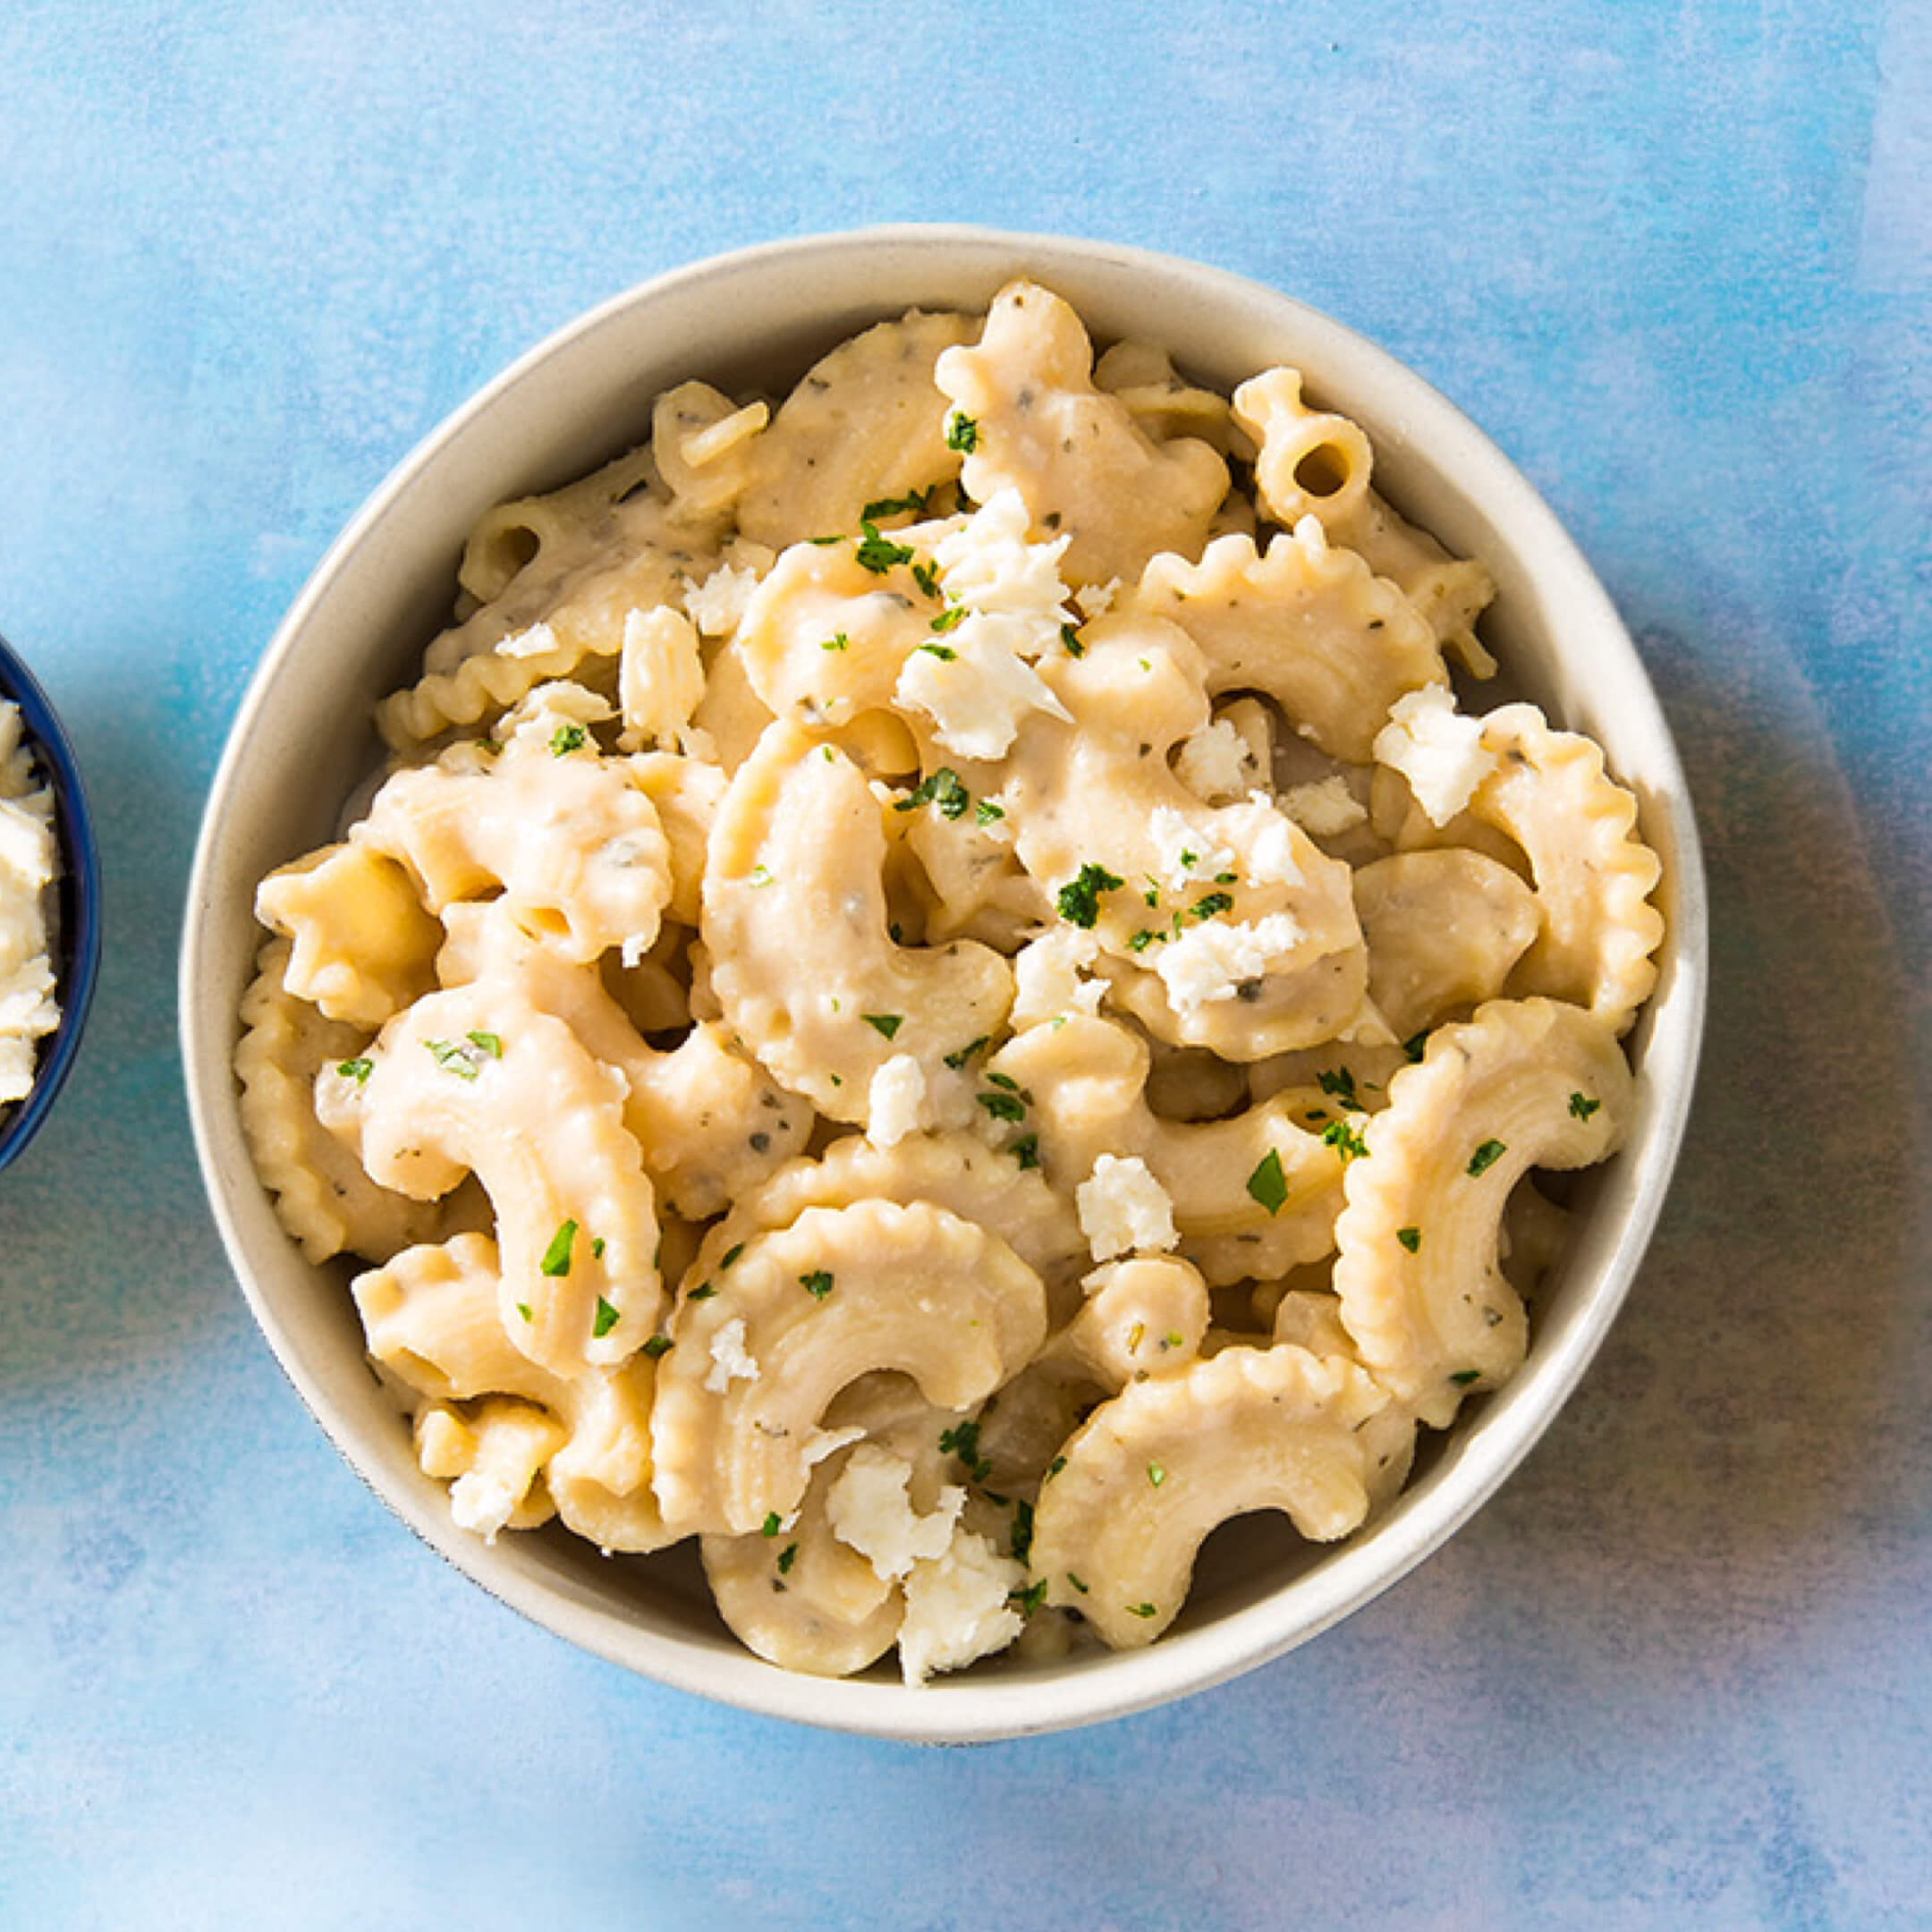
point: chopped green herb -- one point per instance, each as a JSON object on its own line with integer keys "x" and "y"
{"x": 758, "y": 875}
{"x": 1340, "y": 1085}
{"x": 1078, "y": 899}
{"x": 703, "y": 1292}
{"x": 566, "y": 739}
{"x": 878, "y": 554}
{"x": 1021, "y": 1543}
{"x": 838, "y": 640}
{"x": 1076, "y": 1582}
{"x": 941, "y": 789}
{"x": 1054, "y": 1468}
{"x": 489, "y": 1043}
{"x": 958, "y": 1060}
{"x": 1411, "y": 1238}
{"x": 357, "y": 1071}
{"x": 1343, "y": 1138}
{"x": 1140, "y": 941}
{"x": 962, "y": 434}
{"x": 1206, "y": 908}
{"x": 787, "y": 1556}
{"x": 1026, "y": 1150}
{"x": 1189, "y": 860}
{"x": 913, "y": 500}
{"x": 454, "y": 1056}
{"x": 1156, "y": 1474}
{"x": 522, "y": 1308}
{"x": 944, "y": 653}
{"x": 1267, "y": 1183}
{"x": 1030, "y": 1599}
{"x": 928, "y": 579}
{"x": 658, "y": 1347}
{"x": 1142, "y": 1610}
{"x": 1582, "y": 1108}
{"x": 597, "y": 1248}
{"x": 1486, "y": 1157}
{"x": 950, "y": 619}
{"x": 731, "y": 1255}
{"x": 986, "y": 812}
{"x": 818, "y": 1284}
{"x": 887, "y": 1023}
{"x": 1002, "y": 1105}
{"x": 607, "y": 1319}
{"x": 556, "y": 1256}
{"x": 772, "y": 1524}
{"x": 1007, "y": 1082}
{"x": 1069, "y": 636}
{"x": 1463, "y": 1377}
{"x": 1227, "y": 878}
{"x": 1414, "y": 1044}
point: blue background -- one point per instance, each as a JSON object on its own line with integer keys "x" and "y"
{"x": 1678, "y": 260}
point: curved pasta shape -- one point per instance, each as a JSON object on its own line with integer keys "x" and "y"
{"x": 1146, "y": 1315}
{"x": 1526, "y": 1083}
{"x": 806, "y": 1310}
{"x": 1449, "y": 592}
{"x": 571, "y": 840}
{"x": 1444, "y": 927}
{"x": 362, "y": 945}
{"x": 795, "y": 922}
{"x": 322, "y": 1196}
{"x": 1078, "y": 460}
{"x": 1309, "y": 624}
{"x": 1154, "y": 1470}
{"x": 475, "y": 1080}
{"x": 686, "y": 792}
{"x": 1162, "y": 403}
{"x": 492, "y": 1456}
{"x": 868, "y": 423}
{"x": 705, "y": 447}
{"x": 1086, "y": 1080}
{"x": 1308, "y": 461}
{"x": 1551, "y": 796}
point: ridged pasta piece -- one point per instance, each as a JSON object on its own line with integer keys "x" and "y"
{"x": 1535, "y": 1232}
{"x": 1227, "y": 928}
{"x": 687, "y": 792}
{"x": 362, "y": 946}
{"x": 1449, "y": 592}
{"x": 1163, "y": 404}
{"x": 1078, "y": 460}
{"x": 804, "y": 1311}
{"x": 491, "y": 1454}
{"x": 475, "y": 1080}
{"x": 1153, "y": 1470}
{"x": 796, "y": 927}
{"x": 866, "y": 423}
{"x": 1144, "y": 1316}
{"x": 434, "y": 1320}
{"x": 572, "y": 840}
{"x": 1084, "y": 1083}
{"x": 1309, "y": 461}
{"x": 706, "y": 446}
{"x": 322, "y": 1196}
{"x": 1311, "y": 624}
{"x": 1550, "y": 796}
{"x": 1526, "y": 1083}
{"x": 954, "y": 1171}
{"x": 1444, "y": 927}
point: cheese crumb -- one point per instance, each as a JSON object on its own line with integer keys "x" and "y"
{"x": 717, "y": 605}
{"x": 730, "y": 1361}
{"x": 976, "y": 686}
{"x": 989, "y": 565}
{"x": 533, "y": 642}
{"x": 959, "y": 1607}
{"x": 1124, "y": 1209}
{"x": 1217, "y": 763}
{"x": 660, "y": 678}
{"x": 1436, "y": 749}
{"x": 1325, "y": 809}
{"x": 895, "y": 1101}
{"x": 871, "y": 1510}
{"x": 1047, "y": 979}
{"x": 481, "y": 1504}
{"x": 1213, "y": 959}
{"x": 822, "y": 1442}
{"x": 1268, "y": 840}
{"x": 1185, "y": 854}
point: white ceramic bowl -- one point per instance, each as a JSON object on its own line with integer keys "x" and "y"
{"x": 303, "y": 739}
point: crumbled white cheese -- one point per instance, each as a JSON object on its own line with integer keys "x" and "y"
{"x": 822, "y": 1442}
{"x": 631, "y": 950}
{"x": 870, "y": 1510}
{"x": 1267, "y": 839}
{"x": 1325, "y": 809}
{"x": 730, "y": 1361}
{"x": 481, "y": 1504}
{"x": 531, "y": 643}
{"x": 660, "y": 678}
{"x": 1211, "y": 961}
{"x": 895, "y": 1101}
{"x": 989, "y": 565}
{"x": 1436, "y": 749}
{"x": 717, "y": 605}
{"x": 1186, "y": 854}
{"x": 959, "y": 1607}
{"x": 976, "y": 687}
{"x": 1217, "y": 763}
{"x": 1047, "y": 977}
{"x": 1096, "y": 600}
{"x": 28, "y": 862}
{"x": 1124, "y": 1209}
{"x": 547, "y": 709}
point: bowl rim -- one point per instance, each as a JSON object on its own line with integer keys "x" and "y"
{"x": 77, "y": 951}
{"x": 1112, "y": 1684}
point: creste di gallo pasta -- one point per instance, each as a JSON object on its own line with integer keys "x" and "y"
{"x": 943, "y": 994}
{"x": 30, "y": 866}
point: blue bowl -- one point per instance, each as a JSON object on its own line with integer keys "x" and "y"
{"x": 77, "y": 942}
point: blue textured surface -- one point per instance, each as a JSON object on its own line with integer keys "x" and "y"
{"x": 1678, "y": 260}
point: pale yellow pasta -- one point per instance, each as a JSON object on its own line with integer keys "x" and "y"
{"x": 972, "y": 875}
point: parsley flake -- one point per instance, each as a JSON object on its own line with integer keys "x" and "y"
{"x": 1140, "y": 941}
{"x": 950, "y": 619}
{"x": 787, "y": 1556}
{"x": 887, "y": 1023}
{"x": 1076, "y": 1582}
{"x": 1142, "y": 1610}
{"x": 963, "y": 1442}
{"x": 556, "y": 1256}
{"x": 838, "y": 640}
{"x": 1411, "y": 1238}
{"x": 772, "y": 1524}
{"x": 928, "y": 579}
{"x": 1340, "y": 1085}
{"x": 1485, "y": 1158}
{"x": 1463, "y": 1377}
{"x": 1026, "y": 1150}
{"x": 487, "y": 1042}
{"x": 731, "y": 1255}
{"x": 1414, "y": 1044}
{"x": 1267, "y": 1183}
{"x": 1205, "y": 907}
{"x": 1030, "y": 1599}
{"x": 1343, "y": 1138}
{"x": 357, "y": 1071}
{"x": 878, "y": 554}
{"x": 818, "y": 1284}
{"x": 944, "y": 653}
{"x": 962, "y": 434}
{"x": 454, "y": 1056}
{"x": 758, "y": 875}
{"x": 1156, "y": 1474}
{"x": 942, "y": 789}
{"x": 1078, "y": 899}
{"x": 658, "y": 1347}
{"x": 566, "y": 739}
{"x": 1582, "y": 1108}
{"x": 522, "y": 1308}
{"x": 703, "y": 1292}
{"x": 1071, "y": 638}
{"x": 1054, "y": 1468}
{"x": 913, "y": 502}
{"x": 986, "y": 812}
{"x": 607, "y": 1319}
{"x": 1004, "y": 1106}
{"x": 1022, "y": 1544}
{"x": 958, "y": 1060}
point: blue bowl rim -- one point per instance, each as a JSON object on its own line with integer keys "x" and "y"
{"x": 79, "y": 942}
